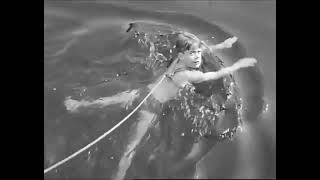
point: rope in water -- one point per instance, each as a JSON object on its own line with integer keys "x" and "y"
{"x": 105, "y": 134}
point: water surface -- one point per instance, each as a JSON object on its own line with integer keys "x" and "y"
{"x": 83, "y": 50}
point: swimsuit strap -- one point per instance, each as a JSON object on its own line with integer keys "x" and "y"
{"x": 179, "y": 70}
{"x": 174, "y": 72}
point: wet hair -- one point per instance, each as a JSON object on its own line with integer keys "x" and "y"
{"x": 183, "y": 43}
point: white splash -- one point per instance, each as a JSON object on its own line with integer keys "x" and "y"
{"x": 80, "y": 32}
{"x": 65, "y": 47}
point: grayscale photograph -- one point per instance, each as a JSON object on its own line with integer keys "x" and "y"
{"x": 159, "y": 89}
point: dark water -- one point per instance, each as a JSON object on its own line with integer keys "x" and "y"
{"x": 83, "y": 45}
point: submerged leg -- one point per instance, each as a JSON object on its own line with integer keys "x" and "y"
{"x": 199, "y": 149}
{"x": 125, "y": 99}
{"x": 135, "y": 136}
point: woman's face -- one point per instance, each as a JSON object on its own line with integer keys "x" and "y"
{"x": 192, "y": 58}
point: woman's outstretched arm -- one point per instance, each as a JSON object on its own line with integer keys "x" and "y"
{"x": 196, "y": 77}
{"x": 225, "y": 44}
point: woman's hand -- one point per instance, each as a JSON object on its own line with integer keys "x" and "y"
{"x": 225, "y": 44}
{"x": 229, "y": 42}
{"x": 244, "y": 62}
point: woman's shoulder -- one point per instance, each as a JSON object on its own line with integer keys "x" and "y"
{"x": 190, "y": 76}
{"x": 181, "y": 72}
{"x": 189, "y": 72}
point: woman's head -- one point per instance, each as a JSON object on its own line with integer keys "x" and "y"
{"x": 189, "y": 49}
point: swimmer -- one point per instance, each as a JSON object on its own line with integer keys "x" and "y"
{"x": 184, "y": 70}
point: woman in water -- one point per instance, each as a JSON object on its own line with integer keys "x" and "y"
{"x": 181, "y": 74}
